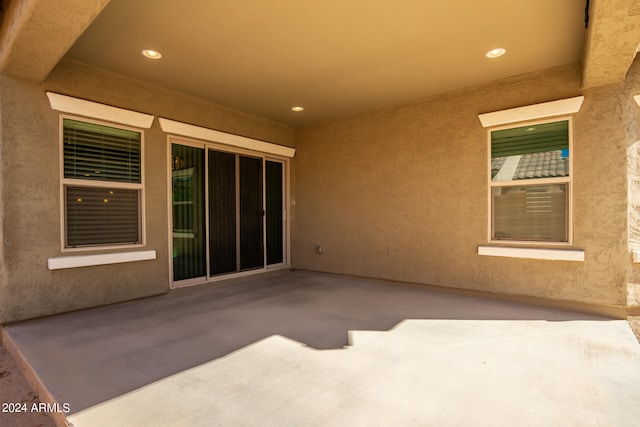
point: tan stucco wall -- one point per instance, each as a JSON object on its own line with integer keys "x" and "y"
{"x": 3, "y": 267}
{"x": 401, "y": 193}
{"x": 397, "y": 193}
{"x": 632, "y": 130}
{"x": 31, "y": 188}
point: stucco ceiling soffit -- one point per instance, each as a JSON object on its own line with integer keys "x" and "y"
{"x": 335, "y": 59}
{"x": 612, "y": 41}
{"x": 36, "y": 34}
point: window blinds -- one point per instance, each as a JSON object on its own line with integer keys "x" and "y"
{"x": 103, "y": 153}
{"x": 101, "y": 216}
{"x": 98, "y": 212}
{"x": 530, "y": 213}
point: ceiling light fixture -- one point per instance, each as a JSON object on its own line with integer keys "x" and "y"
{"x": 297, "y": 109}
{"x": 495, "y": 53}
{"x": 152, "y": 54}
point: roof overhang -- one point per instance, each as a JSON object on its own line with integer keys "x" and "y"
{"x": 36, "y": 34}
{"x": 611, "y": 42}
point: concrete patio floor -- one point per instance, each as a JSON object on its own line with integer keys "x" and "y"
{"x": 309, "y": 349}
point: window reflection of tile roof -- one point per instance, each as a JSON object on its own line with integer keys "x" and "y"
{"x": 549, "y": 164}
{"x": 496, "y": 164}
{"x": 542, "y": 165}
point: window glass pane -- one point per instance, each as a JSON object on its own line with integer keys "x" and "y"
{"x": 188, "y": 186}
{"x": 530, "y": 152}
{"x": 251, "y": 213}
{"x": 101, "y": 216}
{"x": 274, "y": 207}
{"x": 535, "y": 212}
{"x": 222, "y": 213}
{"x": 102, "y": 153}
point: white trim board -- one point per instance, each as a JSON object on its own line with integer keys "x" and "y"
{"x": 63, "y": 262}
{"x": 192, "y": 131}
{"x": 532, "y": 253}
{"x": 532, "y": 112}
{"x": 82, "y": 107}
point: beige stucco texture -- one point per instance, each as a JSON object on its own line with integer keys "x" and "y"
{"x": 32, "y": 193}
{"x": 35, "y": 34}
{"x": 632, "y": 132}
{"x": 401, "y": 193}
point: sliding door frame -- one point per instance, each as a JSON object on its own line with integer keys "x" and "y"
{"x": 286, "y": 229}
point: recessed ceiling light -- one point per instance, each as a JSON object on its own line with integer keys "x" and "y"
{"x": 297, "y": 109}
{"x": 152, "y": 54}
{"x": 494, "y": 53}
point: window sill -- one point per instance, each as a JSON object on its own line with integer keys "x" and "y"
{"x": 63, "y": 262}
{"x": 532, "y": 253}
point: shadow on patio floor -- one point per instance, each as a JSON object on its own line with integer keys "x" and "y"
{"x": 91, "y": 356}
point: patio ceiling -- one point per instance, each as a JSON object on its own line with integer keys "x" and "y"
{"x": 333, "y": 58}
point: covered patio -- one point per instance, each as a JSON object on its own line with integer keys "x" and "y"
{"x": 301, "y": 348}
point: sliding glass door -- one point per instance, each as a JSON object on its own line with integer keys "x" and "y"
{"x": 228, "y": 212}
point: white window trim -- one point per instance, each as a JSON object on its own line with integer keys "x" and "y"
{"x": 532, "y": 253}
{"x": 211, "y": 135}
{"x": 543, "y": 110}
{"x": 95, "y": 110}
{"x": 65, "y": 262}
{"x": 546, "y": 110}
{"x": 100, "y": 184}
{"x": 538, "y": 181}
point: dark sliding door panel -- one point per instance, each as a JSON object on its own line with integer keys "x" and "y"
{"x": 274, "y": 199}
{"x": 222, "y": 212}
{"x": 251, "y": 213}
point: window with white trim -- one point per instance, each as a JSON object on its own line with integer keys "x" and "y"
{"x": 530, "y": 182}
{"x": 102, "y": 184}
